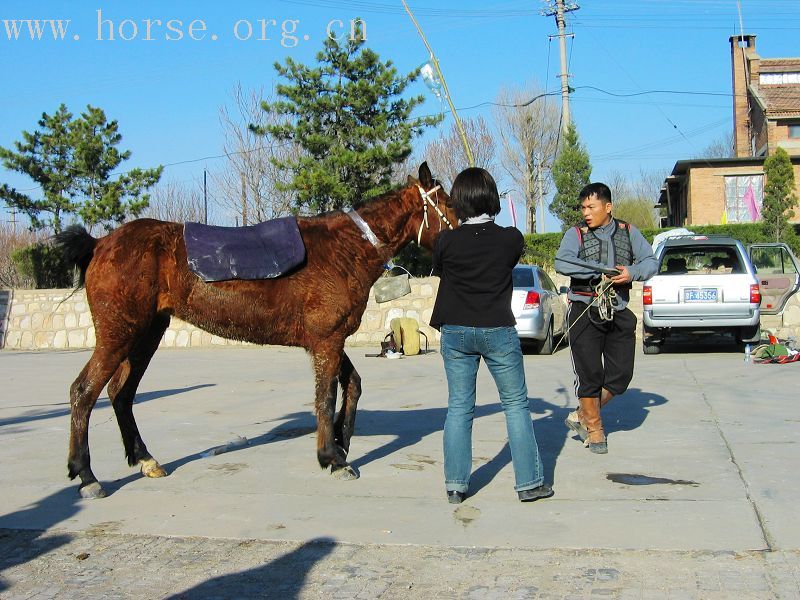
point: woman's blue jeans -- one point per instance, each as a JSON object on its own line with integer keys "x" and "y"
{"x": 462, "y": 349}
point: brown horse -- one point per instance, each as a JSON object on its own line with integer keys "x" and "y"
{"x": 137, "y": 277}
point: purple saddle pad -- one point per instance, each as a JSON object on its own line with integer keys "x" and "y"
{"x": 263, "y": 251}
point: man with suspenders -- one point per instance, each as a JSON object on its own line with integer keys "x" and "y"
{"x": 602, "y": 334}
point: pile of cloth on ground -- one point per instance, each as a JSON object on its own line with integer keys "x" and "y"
{"x": 776, "y": 351}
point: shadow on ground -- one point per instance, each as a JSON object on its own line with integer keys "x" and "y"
{"x": 44, "y": 514}
{"x": 624, "y": 413}
{"x": 678, "y": 343}
{"x": 282, "y": 578}
{"x": 63, "y": 407}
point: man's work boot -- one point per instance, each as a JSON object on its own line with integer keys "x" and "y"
{"x": 573, "y": 420}
{"x": 589, "y": 414}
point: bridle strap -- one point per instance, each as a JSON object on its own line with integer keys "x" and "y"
{"x": 427, "y": 200}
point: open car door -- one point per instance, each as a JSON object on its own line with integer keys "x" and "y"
{"x": 778, "y": 272}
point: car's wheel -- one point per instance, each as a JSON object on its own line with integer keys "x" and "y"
{"x": 546, "y": 346}
{"x": 651, "y": 348}
{"x": 652, "y": 339}
{"x": 749, "y": 335}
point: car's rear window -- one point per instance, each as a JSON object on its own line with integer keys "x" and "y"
{"x": 523, "y": 278}
{"x": 700, "y": 260}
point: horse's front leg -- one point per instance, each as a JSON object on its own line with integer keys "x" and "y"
{"x": 350, "y": 381}
{"x": 122, "y": 392}
{"x": 326, "y": 370}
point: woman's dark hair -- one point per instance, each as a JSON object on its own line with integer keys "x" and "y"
{"x": 475, "y": 193}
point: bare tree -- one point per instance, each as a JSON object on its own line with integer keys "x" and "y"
{"x": 177, "y": 202}
{"x": 447, "y": 156}
{"x": 721, "y": 147}
{"x": 410, "y": 166}
{"x": 617, "y": 182}
{"x": 248, "y": 184}
{"x": 634, "y": 199}
{"x": 528, "y": 128}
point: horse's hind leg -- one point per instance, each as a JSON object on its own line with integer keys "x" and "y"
{"x": 83, "y": 396}
{"x": 122, "y": 391}
{"x": 350, "y": 381}
{"x": 326, "y": 370}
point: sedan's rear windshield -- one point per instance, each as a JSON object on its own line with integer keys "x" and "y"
{"x": 523, "y": 278}
{"x": 700, "y": 260}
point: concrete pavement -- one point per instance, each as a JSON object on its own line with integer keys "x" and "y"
{"x": 695, "y": 498}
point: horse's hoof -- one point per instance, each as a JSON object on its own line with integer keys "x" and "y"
{"x": 151, "y": 468}
{"x": 92, "y": 491}
{"x": 345, "y": 473}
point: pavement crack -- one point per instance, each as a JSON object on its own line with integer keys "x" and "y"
{"x": 765, "y": 534}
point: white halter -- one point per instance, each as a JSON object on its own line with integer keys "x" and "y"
{"x": 426, "y": 200}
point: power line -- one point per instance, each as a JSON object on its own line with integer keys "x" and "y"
{"x": 487, "y": 103}
{"x": 393, "y": 8}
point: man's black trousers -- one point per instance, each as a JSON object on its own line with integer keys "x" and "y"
{"x": 602, "y": 351}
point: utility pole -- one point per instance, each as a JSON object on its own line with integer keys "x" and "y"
{"x": 558, "y": 11}
{"x": 540, "y": 191}
{"x": 205, "y": 197}
{"x": 530, "y": 197}
{"x": 244, "y": 198}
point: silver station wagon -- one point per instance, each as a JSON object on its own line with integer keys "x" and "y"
{"x": 539, "y": 308}
{"x": 704, "y": 284}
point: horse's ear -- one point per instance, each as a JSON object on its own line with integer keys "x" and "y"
{"x": 425, "y": 177}
{"x": 410, "y": 180}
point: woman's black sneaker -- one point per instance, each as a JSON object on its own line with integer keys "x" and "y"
{"x": 543, "y": 491}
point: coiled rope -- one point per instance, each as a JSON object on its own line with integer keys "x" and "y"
{"x": 604, "y": 299}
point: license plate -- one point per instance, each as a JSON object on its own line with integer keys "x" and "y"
{"x": 702, "y": 295}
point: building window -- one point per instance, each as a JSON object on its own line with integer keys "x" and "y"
{"x": 794, "y": 131}
{"x": 779, "y": 78}
{"x": 744, "y": 195}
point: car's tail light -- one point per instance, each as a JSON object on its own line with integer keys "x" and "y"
{"x": 531, "y": 300}
{"x": 647, "y": 295}
{"x": 755, "y": 294}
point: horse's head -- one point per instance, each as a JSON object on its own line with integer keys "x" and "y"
{"x": 435, "y": 208}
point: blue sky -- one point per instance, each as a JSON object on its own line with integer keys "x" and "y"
{"x": 166, "y": 94}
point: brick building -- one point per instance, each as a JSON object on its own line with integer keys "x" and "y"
{"x": 766, "y": 115}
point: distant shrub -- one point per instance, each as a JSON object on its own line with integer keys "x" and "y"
{"x": 11, "y": 239}
{"x": 541, "y": 248}
{"x": 45, "y": 265}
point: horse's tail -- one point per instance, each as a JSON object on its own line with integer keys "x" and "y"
{"x": 78, "y": 248}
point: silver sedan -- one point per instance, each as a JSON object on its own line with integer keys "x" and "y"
{"x": 539, "y": 307}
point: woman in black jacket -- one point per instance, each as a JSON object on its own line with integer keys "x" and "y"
{"x": 473, "y": 313}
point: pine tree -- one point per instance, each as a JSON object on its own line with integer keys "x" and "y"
{"x": 71, "y": 160}
{"x": 571, "y": 172}
{"x": 779, "y": 196}
{"x": 351, "y": 121}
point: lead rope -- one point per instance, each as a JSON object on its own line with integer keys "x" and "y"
{"x": 605, "y": 297}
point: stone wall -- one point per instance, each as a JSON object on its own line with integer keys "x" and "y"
{"x": 60, "y": 319}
